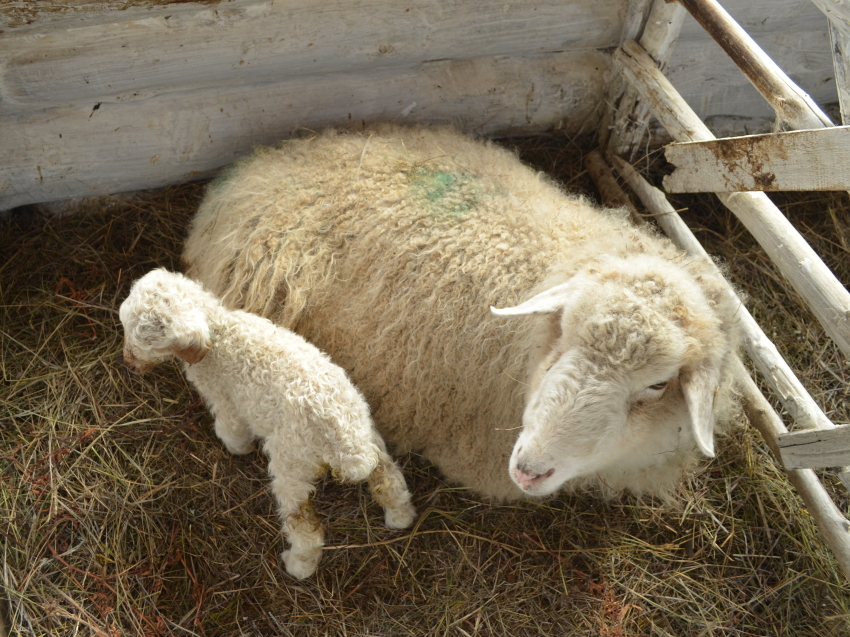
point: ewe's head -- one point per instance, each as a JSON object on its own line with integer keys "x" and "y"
{"x": 164, "y": 315}
{"x": 634, "y": 354}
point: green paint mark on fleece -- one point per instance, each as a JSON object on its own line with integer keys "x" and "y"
{"x": 443, "y": 193}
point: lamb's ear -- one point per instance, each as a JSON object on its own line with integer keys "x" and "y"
{"x": 548, "y": 302}
{"x": 193, "y": 342}
{"x": 700, "y": 390}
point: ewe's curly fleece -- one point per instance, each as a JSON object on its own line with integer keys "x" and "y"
{"x": 387, "y": 248}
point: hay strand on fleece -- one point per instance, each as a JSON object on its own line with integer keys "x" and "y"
{"x": 123, "y": 514}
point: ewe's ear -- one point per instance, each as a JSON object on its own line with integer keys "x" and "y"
{"x": 192, "y": 338}
{"x": 700, "y": 389}
{"x": 548, "y": 302}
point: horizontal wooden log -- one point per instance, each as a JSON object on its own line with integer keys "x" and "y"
{"x": 816, "y": 449}
{"x": 81, "y": 151}
{"x": 188, "y": 46}
{"x": 797, "y": 160}
{"x": 827, "y": 298}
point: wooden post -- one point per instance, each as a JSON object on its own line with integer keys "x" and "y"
{"x": 624, "y": 125}
{"x": 826, "y": 296}
{"x": 792, "y": 104}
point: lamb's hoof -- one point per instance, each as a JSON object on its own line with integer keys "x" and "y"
{"x": 298, "y": 566}
{"x": 401, "y": 517}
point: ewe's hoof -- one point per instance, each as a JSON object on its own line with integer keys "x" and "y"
{"x": 400, "y": 518}
{"x": 298, "y": 566}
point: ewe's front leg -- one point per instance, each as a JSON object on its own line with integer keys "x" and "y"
{"x": 390, "y": 491}
{"x": 292, "y": 487}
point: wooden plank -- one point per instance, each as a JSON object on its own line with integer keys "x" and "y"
{"x": 819, "y": 449}
{"x": 792, "y": 105}
{"x": 797, "y": 160}
{"x": 827, "y": 298}
{"x": 77, "y": 151}
{"x": 183, "y": 47}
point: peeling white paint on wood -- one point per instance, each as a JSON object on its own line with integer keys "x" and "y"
{"x": 796, "y": 160}
{"x": 815, "y": 449}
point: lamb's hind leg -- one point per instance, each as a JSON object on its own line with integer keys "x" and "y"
{"x": 390, "y": 491}
{"x": 292, "y": 485}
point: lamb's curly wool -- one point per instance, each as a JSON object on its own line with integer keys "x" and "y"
{"x": 387, "y": 249}
{"x": 265, "y": 382}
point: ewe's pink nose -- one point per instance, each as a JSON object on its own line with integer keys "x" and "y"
{"x": 527, "y": 478}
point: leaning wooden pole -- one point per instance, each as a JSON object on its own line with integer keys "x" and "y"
{"x": 791, "y": 103}
{"x": 827, "y": 298}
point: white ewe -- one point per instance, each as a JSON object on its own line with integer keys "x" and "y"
{"x": 265, "y": 382}
{"x": 387, "y": 248}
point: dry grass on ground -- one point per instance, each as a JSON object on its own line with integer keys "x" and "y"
{"x": 122, "y": 514}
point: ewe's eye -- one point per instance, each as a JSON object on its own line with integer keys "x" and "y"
{"x": 652, "y": 393}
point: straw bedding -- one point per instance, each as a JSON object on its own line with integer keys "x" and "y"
{"x": 122, "y": 514}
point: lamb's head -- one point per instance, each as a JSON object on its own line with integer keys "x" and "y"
{"x": 633, "y": 353}
{"x": 164, "y": 315}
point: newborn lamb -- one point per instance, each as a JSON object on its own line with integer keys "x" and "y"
{"x": 265, "y": 382}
